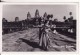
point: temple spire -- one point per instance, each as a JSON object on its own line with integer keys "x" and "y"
{"x": 37, "y": 13}
{"x": 28, "y": 15}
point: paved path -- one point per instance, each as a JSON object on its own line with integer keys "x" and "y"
{"x": 59, "y": 42}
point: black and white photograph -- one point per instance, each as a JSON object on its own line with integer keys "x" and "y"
{"x": 39, "y": 28}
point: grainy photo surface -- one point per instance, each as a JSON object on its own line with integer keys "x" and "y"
{"x": 39, "y": 28}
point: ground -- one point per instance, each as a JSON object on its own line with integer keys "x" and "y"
{"x": 59, "y": 42}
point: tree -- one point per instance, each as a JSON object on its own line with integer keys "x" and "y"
{"x": 51, "y": 16}
{"x": 64, "y": 18}
{"x": 70, "y": 19}
{"x": 70, "y": 13}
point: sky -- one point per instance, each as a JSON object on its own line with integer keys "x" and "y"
{"x": 58, "y": 11}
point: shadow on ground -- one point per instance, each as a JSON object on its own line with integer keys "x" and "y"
{"x": 32, "y": 44}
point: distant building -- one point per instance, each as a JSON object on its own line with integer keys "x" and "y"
{"x": 55, "y": 20}
{"x": 4, "y": 20}
{"x": 16, "y": 19}
{"x": 37, "y": 14}
{"x": 28, "y": 15}
{"x": 71, "y": 17}
{"x": 45, "y": 16}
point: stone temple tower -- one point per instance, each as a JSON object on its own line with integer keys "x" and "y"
{"x": 37, "y": 14}
{"x": 28, "y": 15}
{"x": 16, "y": 19}
{"x": 4, "y": 20}
{"x": 45, "y": 16}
